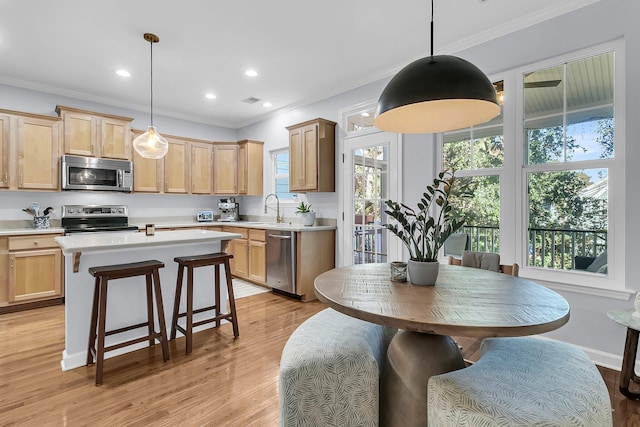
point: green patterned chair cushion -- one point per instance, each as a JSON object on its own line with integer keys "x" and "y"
{"x": 329, "y": 371}
{"x": 521, "y": 382}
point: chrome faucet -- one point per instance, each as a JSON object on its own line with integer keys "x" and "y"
{"x": 278, "y": 217}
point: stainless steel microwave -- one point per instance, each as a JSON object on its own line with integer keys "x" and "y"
{"x": 90, "y": 173}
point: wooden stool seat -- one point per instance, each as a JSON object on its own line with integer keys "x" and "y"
{"x": 96, "y": 348}
{"x": 194, "y": 261}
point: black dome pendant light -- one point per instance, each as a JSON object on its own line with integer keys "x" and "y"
{"x": 436, "y": 94}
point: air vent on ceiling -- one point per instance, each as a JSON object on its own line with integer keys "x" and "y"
{"x": 251, "y": 100}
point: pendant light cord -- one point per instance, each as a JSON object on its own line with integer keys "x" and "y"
{"x": 431, "y": 27}
{"x": 151, "y": 43}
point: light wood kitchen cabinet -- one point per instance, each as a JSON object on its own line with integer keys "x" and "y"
{"x": 4, "y": 150}
{"x": 148, "y": 174}
{"x": 258, "y": 256}
{"x": 34, "y": 270}
{"x": 249, "y": 254}
{"x": 225, "y": 168}
{"x": 38, "y": 145}
{"x": 29, "y": 151}
{"x": 315, "y": 254}
{"x": 176, "y": 166}
{"x": 87, "y": 133}
{"x": 312, "y": 156}
{"x": 239, "y": 248}
{"x": 201, "y": 168}
{"x": 250, "y": 167}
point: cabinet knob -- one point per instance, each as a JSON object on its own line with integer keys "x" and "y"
{"x": 35, "y": 243}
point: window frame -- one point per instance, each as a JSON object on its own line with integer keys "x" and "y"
{"x": 513, "y": 180}
{"x": 288, "y": 202}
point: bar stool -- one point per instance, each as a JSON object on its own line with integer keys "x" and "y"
{"x": 191, "y": 262}
{"x": 103, "y": 274}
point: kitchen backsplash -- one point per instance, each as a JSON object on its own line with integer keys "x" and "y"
{"x": 140, "y": 205}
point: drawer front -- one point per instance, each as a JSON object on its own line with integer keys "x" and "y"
{"x": 237, "y": 230}
{"x": 259, "y": 235}
{"x": 40, "y": 241}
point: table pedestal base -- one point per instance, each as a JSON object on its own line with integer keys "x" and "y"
{"x": 412, "y": 358}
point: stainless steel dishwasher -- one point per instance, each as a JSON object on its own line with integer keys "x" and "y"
{"x": 281, "y": 260}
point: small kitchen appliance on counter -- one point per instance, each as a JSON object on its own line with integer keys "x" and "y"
{"x": 204, "y": 216}
{"x": 229, "y": 210}
{"x": 96, "y": 219}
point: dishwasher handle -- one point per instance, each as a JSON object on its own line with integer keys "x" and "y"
{"x": 277, "y": 236}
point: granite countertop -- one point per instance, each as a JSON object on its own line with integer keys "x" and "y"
{"x": 91, "y": 242}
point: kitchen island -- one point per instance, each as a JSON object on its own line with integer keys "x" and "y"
{"x": 126, "y": 303}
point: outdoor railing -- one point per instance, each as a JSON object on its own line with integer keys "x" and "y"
{"x": 548, "y": 247}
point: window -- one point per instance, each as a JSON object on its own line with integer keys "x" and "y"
{"x": 476, "y": 155}
{"x": 544, "y": 182}
{"x": 280, "y": 160}
{"x": 569, "y": 146}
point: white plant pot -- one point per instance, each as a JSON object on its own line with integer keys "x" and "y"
{"x": 308, "y": 218}
{"x": 423, "y": 273}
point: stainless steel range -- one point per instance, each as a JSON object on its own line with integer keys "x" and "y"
{"x": 96, "y": 219}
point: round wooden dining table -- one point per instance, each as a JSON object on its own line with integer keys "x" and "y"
{"x": 464, "y": 302}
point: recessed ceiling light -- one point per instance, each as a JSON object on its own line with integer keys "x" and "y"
{"x": 251, "y": 73}
{"x": 267, "y": 104}
{"x": 123, "y": 73}
{"x": 210, "y": 96}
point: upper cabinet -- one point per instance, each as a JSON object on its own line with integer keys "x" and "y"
{"x": 148, "y": 174}
{"x": 225, "y": 168}
{"x": 29, "y": 151}
{"x": 250, "y": 167}
{"x": 312, "y": 156}
{"x": 4, "y": 151}
{"x": 94, "y": 134}
{"x": 38, "y": 146}
{"x": 176, "y": 166}
{"x": 201, "y": 168}
{"x": 237, "y": 167}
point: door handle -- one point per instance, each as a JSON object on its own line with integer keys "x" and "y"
{"x": 275, "y": 236}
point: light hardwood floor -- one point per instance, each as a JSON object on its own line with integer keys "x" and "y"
{"x": 225, "y": 382}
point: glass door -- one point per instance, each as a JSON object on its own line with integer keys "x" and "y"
{"x": 371, "y": 174}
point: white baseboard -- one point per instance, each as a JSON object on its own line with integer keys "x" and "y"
{"x": 607, "y": 360}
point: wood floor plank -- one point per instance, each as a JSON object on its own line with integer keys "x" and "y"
{"x": 224, "y": 382}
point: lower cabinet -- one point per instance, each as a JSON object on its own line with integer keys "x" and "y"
{"x": 34, "y": 270}
{"x": 249, "y": 254}
{"x": 239, "y": 248}
{"x": 258, "y": 256}
{"x": 315, "y": 254}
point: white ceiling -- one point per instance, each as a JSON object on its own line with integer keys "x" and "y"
{"x": 302, "y": 50}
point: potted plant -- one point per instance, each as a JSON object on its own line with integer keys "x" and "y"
{"x": 424, "y": 234}
{"x": 308, "y": 215}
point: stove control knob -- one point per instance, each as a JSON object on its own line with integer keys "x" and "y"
{"x": 70, "y": 210}
{"x": 120, "y": 210}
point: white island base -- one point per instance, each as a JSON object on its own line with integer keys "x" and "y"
{"x": 126, "y": 298}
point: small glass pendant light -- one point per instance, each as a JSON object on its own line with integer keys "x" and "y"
{"x": 151, "y": 144}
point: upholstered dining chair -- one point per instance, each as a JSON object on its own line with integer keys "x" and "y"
{"x": 486, "y": 261}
